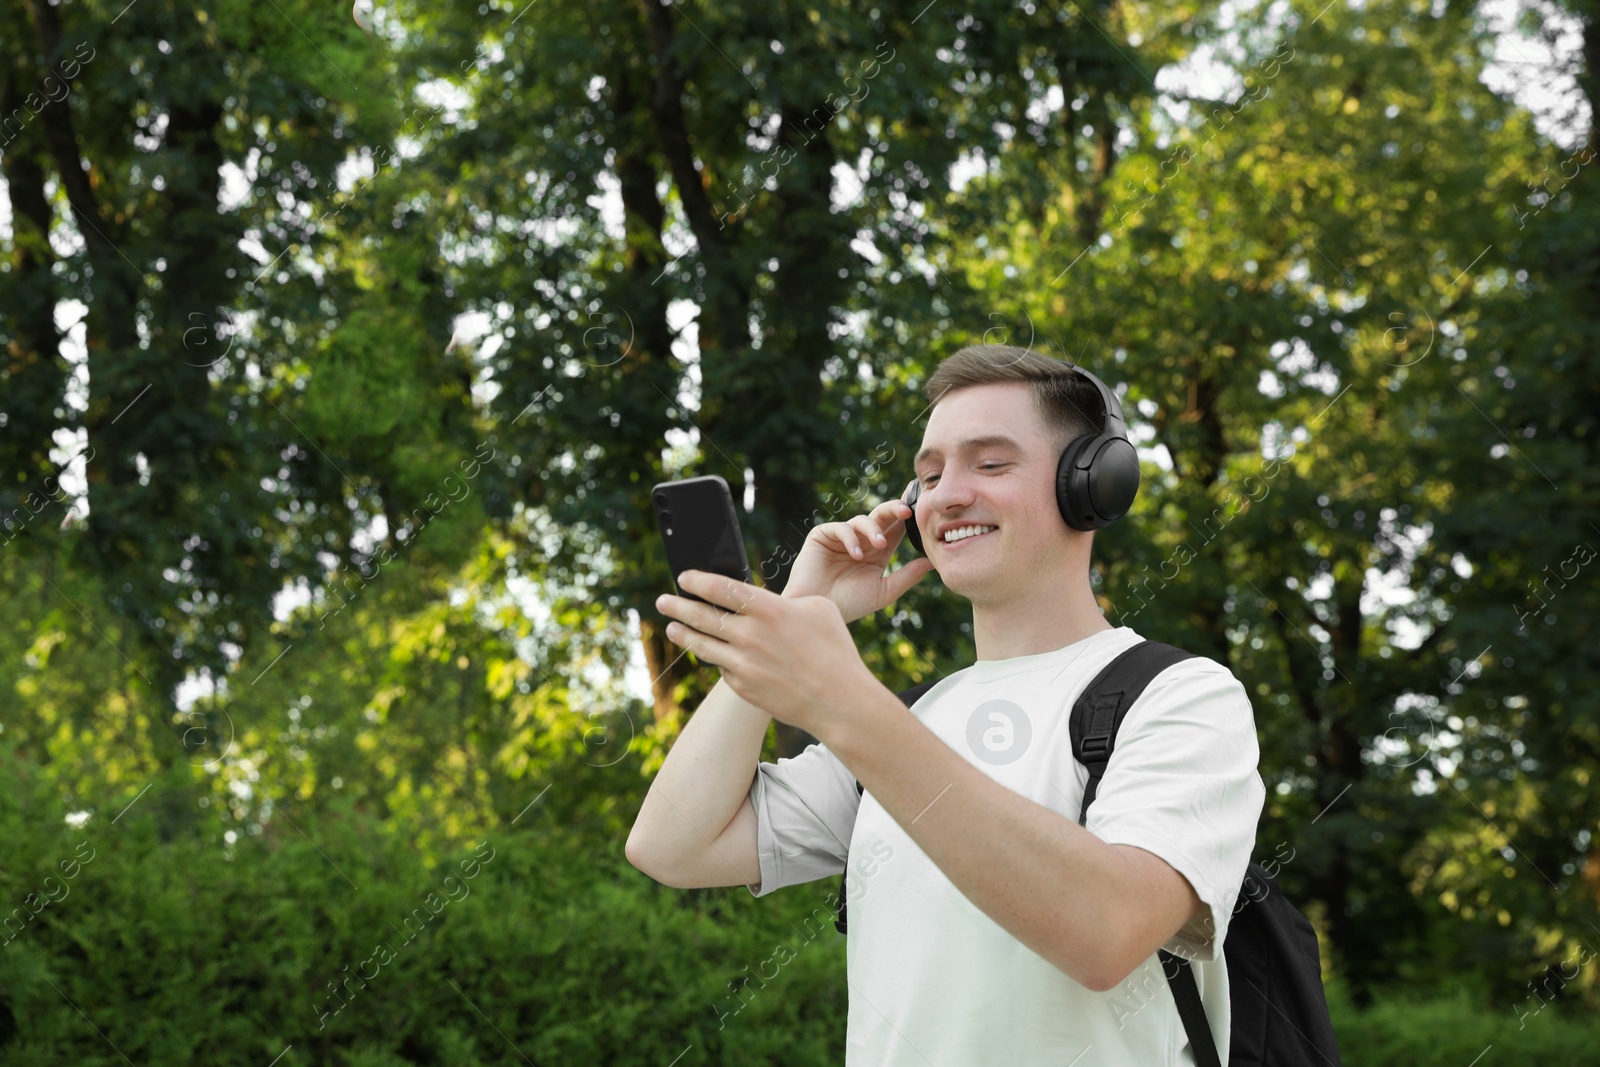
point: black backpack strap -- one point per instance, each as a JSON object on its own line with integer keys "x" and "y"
{"x": 907, "y": 697}
{"x": 1190, "y": 1010}
{"x": 1098, "y": 712}
{"x": 1096, "y": 717}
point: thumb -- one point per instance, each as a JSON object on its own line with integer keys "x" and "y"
{"x": 903, "y": 579}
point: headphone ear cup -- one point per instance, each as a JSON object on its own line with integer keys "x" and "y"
{"x": 1096, "y": 481}
{"x": 913, "y": 534}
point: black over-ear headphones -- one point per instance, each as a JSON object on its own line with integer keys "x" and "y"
{"x": 1097, "y": 476}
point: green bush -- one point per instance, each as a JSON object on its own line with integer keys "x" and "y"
{"x": 537, "y": 943}
{"x": 1410, "y": 1029}
{"x": 189, "y": 951}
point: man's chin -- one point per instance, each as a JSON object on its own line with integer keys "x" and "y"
{"x": 963, "y": 580}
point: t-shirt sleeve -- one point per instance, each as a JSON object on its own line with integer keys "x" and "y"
{"x": 1183, "y": 783}
{"x": 805, "y": 813}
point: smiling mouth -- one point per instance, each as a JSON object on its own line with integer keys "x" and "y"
{"x": 968, "y": 537}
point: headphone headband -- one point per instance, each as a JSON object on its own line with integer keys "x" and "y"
{"x": 1112, "y": 423}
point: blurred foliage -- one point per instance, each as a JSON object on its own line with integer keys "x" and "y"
{"x": 362, "y": 341}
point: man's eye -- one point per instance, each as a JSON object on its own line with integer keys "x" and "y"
{"x": 928, "y": 479}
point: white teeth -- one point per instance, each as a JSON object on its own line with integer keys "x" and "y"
{"x": 960, "y": 533}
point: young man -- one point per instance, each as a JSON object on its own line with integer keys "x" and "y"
{"x": 986, "y": 926}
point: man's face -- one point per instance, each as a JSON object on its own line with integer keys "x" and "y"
{"x": 969, "y": 474}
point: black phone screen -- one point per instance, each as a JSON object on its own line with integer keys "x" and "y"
{"x": 700, "y": 529}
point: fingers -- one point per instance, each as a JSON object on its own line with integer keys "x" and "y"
{"x": 695, "y": 625}
{"x": 891, "y": 511}
{"x": 864, "y": 528}
{"x": 721, "y": 591}
{"x": 706, "y": 618}
{"x": 867, "y": 532}
{"x": 703, "y": 645}
{"x": 846, "y": 536}
{"x": 871, "y": 532}
{"x": 839, "y": 532}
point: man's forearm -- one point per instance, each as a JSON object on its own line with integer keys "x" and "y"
{"x": 1008, "y": 855}
{"x": 703, "y": 781}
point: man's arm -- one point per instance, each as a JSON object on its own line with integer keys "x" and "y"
{"x": 697, "y": 793}
{"x": 1095, "y": 911}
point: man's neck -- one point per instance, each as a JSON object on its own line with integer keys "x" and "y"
{"x": 1043, "y": 622}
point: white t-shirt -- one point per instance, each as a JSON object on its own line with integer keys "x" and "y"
{"x": 935, "y": 982}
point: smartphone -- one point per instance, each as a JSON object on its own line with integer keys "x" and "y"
{"x": 700, "y": 529}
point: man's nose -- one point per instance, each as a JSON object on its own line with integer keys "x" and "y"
{"x": 946, "y": 493}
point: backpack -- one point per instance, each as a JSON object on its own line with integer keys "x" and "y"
{"x": 1279, "y": 1014}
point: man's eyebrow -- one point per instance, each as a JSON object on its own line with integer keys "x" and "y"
{"x": 930, "y": 452}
